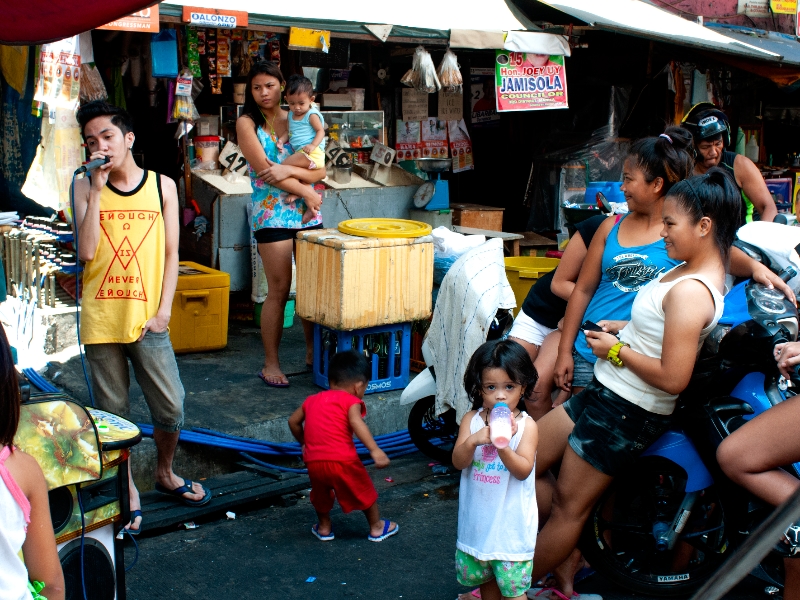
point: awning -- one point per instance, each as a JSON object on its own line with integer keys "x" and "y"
{"x": 535, "y": 42}
{"x": 50, "y": 20}
{"x": 483, "y": 19}
{"x": 780, "y": 43}
{"x": 641, "y": 19}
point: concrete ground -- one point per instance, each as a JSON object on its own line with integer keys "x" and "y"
{"x": 224, "y": 393}
{"x": 269, "y": 552}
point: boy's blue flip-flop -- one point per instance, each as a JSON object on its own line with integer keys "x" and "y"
{"x": 178, "y": 492}
{"x": 386, "y": 533}
{"x": 134, "y": 514}
{"x": 324, "y": 538}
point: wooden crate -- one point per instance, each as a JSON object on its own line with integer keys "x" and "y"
{"x": 478, "y": 216}
{"x": 346, "y": 282}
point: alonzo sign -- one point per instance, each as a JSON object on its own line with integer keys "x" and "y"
{"x": 212, "y": 17}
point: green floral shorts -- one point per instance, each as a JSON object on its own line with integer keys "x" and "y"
{"x": 513, "y": 578}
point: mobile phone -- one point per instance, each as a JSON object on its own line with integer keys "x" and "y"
{"x": 590, "y": 326}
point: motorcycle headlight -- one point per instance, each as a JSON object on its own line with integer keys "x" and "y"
{"x": 715, "y": 337}
{"x": 768, "y": 300}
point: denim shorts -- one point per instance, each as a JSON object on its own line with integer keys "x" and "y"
{"x": 582, "y": 371}
{"x": 155, "y": 369}
{"x": 610, "y": 433}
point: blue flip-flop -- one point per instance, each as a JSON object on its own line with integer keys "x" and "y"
{"x": 179, "y": 492}
{"x": 324, "y": 538}
{"x": 263, "y": 378}
{"x": 386, "y": 533}
{"x": 134, "y": 514}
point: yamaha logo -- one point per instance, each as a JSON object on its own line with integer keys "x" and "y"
{"x": 707, "y": 121}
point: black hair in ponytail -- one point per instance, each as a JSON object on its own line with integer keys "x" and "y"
{"x": 714, "y": 195}
{"x": 668, "y": 156}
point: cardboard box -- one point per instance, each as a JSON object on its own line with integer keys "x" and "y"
{"x": 346, "y": 282}
{"x": 478, "y": 216}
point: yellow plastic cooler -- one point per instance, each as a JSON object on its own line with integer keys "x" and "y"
{"x": 522, "y": 273}
{"x": 200, "y": 309}
{"x": 347, "y": 282}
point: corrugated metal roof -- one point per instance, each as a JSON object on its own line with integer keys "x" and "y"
{"x": 785, "y": 45}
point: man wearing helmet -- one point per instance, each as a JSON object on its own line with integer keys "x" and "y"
{"x": 712, "y": 135}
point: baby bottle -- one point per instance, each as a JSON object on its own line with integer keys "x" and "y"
{"x": 500, "y": 425}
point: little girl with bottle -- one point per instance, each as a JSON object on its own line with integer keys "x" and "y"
{"x": 497, "y": 511}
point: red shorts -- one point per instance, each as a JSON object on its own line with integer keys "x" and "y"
{"x": 348, "y": 482}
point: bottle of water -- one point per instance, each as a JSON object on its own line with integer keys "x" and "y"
{"x": 500, "y": 425}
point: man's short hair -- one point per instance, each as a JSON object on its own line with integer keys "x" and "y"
{"x": 101, "y": 108}
{"x": 349, "y": 367}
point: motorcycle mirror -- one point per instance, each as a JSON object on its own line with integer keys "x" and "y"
{"x": 602, "y": 203}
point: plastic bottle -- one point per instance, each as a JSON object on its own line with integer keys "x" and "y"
{"x": 751, "y": 150}
{"x": 500, "y": 425}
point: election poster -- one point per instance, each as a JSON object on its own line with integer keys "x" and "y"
{"x": 460, "y": 146}
{"x": 484, "y": 107}
{"x": 529, "y": 81}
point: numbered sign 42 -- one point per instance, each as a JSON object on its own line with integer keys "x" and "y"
{"x": 232, "y": 159}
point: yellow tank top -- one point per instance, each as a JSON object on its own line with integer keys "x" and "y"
{"x": 122, "y": 284}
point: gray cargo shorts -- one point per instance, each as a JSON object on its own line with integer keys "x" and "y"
{"x": 155, "y": 369}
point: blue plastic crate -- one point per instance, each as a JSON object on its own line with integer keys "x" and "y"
{"x": 389, "y": 372}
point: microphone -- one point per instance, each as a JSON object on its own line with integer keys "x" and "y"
{"x": 91, "y": 166}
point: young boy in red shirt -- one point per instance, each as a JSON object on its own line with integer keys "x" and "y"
{"x": 324, "y": 425}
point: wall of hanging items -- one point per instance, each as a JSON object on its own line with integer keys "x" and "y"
{"x": 40, "y": 264}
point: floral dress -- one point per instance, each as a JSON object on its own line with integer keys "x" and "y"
{"x": 270, "y": 209}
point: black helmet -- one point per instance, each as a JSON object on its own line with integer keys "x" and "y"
{"x": 705, "y": 120}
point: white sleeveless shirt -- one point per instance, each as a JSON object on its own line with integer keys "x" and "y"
{"x": 645, "y": 334}
{"x": 13, "y": 574}
{"x": 497, "y": 513}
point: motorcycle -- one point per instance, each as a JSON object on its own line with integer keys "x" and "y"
{"x": 666, "y": 525}
{"x": 435, "y": 434}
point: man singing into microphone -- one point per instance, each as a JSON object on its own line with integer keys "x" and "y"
{"x": 127, "y": 227}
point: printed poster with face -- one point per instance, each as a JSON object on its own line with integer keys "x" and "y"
{"x": 433, "y": 134}
{"x": 460, "y": 146}
{"x": 484, "y": 106}
{"x": 529, "y": 81}
{"x": 408, "y": 141}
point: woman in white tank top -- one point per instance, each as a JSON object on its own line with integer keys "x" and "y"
{"x": 603, "y": 430}
{"x": 25, "y": 523}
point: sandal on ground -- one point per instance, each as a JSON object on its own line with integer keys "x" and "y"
{"x": 186, "y": 488}
{"x": 134, "y": 515}
{"x": 552, "y": 593}
{"x": 386, "y": 532}
{"x": 263, "y": 378}
{"x": 324, "y": 538}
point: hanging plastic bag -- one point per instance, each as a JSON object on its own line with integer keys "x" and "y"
{"x": 92, "y": 86}
{"x": 164, "y": 53}
{"x": 428, "y": 81}
{"x": 411, "y": 78}
{"x": 449, "y": 74}
{"x": 422, "y": 74}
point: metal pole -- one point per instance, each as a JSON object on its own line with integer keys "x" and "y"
{"x": 757, "y": 545}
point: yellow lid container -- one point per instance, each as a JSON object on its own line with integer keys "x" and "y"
{"x": 199, "y": 309}
{"x": 522, "y": 273}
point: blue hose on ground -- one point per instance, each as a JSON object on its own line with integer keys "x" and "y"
{"x": 394, "y": 444}
{"x": 247, "y": 447}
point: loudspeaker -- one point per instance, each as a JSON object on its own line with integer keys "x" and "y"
{"x": 99, "y": 566}
{"x": 103, "y": 557}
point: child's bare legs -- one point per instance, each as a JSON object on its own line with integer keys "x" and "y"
{"x": 324, "y": 525}
{"x": 373, "y": 515}
{"x": 491, "y": 591}
{"x": 300, "y": 190}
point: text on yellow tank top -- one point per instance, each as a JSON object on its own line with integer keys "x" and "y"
{"x": 122, "y": 284}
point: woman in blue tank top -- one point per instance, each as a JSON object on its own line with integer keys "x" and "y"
{"x": 624, "y": 255}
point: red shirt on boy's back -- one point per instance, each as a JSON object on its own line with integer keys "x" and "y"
{"x": 327, "y": 431}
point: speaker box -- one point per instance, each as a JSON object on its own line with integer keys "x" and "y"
{"x": 100, "y": 566}
{"x": 103, "y": 558}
